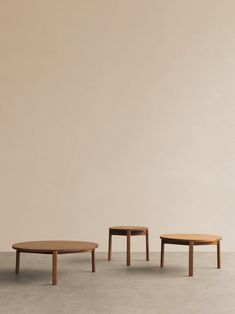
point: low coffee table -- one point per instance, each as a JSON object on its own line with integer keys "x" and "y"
{"x": 191, "y": 240}
{"x": 128, "y": 231}
{"x": 54, "y": 248}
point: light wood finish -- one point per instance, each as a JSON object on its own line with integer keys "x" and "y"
{"x": 128, "y": 231}
{"x": 54, "y": 248}
{"x": 191, "y": 240}
{"x": 192, "y": 237}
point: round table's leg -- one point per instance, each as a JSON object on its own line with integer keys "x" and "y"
{"x": 54, "y": 268}
{"x": 93, "y": 260}
{"x": 218, "y": 255}
{"x": 128, "y": 253}
{"x": 191, "y": 244}
{"x": 162, "y": 253}
{"x": 147, "y": 245}
{"x": 110, "y": 246}
{"x": 17, "y": 270}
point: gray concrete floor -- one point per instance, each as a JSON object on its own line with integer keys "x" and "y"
{"x": 115, "y": 288}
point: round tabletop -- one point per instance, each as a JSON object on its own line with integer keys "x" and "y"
{"x": 132, "y": 228}
{"x": 52, "y": 246}
{"x": 192, "y": 237}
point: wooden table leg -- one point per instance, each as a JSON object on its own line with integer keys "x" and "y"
{"x": 191, "y": 244}
{"x": 147, "y": 245}
{"x": 93, "y": 260}
{"x": 110, "y": 246}
{"x": 54, "y": 268}
{"x": 17, "y": 270}
{"x": 128, "y": 253}
{"x": 162, "y": 252}
{"x": 218, "y": 255}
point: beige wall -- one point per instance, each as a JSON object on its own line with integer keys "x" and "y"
{"x": 116, "y": 112}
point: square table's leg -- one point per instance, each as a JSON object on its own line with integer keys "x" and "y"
{"x": 93, "y": 260}
{"x": 162, "y": 252}
{"x": 218, "y": 255}
{"x": 110, "y": 246}
{"x": 17, "y": 270}
{"x": 191, "y": 244}
{"x": 54, "y": 268}
{"x": 147, "y": 245}
{"x": 128, "y": 253}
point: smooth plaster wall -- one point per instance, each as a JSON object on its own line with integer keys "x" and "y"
{"x": 116, "y": 112}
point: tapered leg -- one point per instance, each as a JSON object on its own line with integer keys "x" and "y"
{"x": 191, "y": 244}
{"x": 147, "y": 245}
{"x": 110, "y": 246}
{"x": 54, "y": 268}
{"x": 93, "y": 260}
{"x": 162, "y": 253}
{"x": 17, "y": 262}
{"x": 218, "y": 255}
{"x": 128, "y": 253}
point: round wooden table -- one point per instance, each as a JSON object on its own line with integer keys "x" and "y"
{"x": 54, "y": 248}
{"x": 191, "y": 240}
{"x": 128, "y": 231}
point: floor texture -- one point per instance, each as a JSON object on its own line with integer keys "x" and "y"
{"x": 115, "y": 288}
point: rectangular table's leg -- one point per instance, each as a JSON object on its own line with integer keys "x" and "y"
{"x": 218, "y": 255}
{"x": 162, "y": 252}
{"x": 128, "y": 253}
{"x": 17, "y": 270}
{"x": 191, "y": 244}
{"x": 54, "y": 268}
{"x": 110, "y": 246}
{"x": 147, "y": 245}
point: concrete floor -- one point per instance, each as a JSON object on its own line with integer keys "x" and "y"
{"x": 115, "y": 288}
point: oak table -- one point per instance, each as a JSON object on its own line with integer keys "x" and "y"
{"x": 54, "y": 248}
{"x": 128, "y": 231}
{"x": 191, "y": 240}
